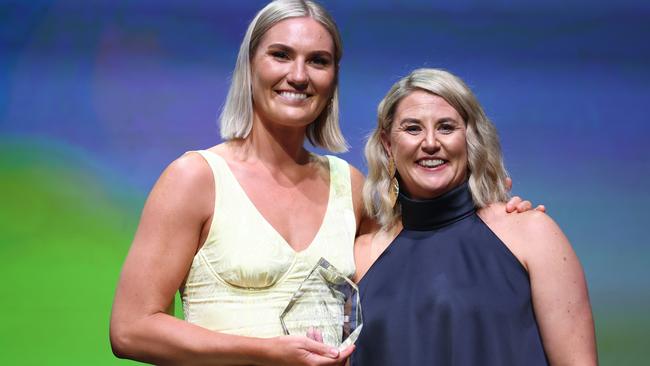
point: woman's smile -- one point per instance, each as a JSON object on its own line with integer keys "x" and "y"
{"x": 431, "y": 164}
{"x": 293, "y": 73}
{"x": 427, "y": 141}
{"x": 293, "y": 97}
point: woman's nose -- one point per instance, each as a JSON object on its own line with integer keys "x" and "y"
{"x": 298, "y": 77}
{"x": 430, "y": 142}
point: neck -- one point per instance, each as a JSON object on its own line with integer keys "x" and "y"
{"x": 436, "y": 212}
{"x": 274, "y": 145}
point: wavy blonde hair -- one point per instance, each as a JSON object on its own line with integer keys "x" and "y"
{"x": 487, "y": 174}
{"x": 236, "y": 117}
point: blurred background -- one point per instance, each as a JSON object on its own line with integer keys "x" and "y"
{"x": 97, "y": 97}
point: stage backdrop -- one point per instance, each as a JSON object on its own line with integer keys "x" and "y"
{"x": 97, "y": 97}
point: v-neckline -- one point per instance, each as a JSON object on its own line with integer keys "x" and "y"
{"x": 266, "y": 221}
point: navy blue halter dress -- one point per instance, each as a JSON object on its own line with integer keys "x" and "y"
{"x": 447, "y": 292}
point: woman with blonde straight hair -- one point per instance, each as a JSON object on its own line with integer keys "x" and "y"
{"x": 237, "y": 227}
{"x": 218, "y": 225}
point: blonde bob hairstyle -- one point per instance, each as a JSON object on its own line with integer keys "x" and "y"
{"x": 487, "y": 174}
{"x": 237, "y": 114}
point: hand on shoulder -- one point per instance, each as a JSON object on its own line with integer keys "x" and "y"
{"x": 530, "y": 235}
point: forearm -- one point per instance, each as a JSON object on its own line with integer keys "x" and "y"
{"x": 164, "y": 340}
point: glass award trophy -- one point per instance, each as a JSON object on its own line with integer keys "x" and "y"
{"x": 326, "y": 303}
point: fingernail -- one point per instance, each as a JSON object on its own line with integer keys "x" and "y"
{"x": 334, "y": 352}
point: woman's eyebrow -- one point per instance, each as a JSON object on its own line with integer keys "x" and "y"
{"x": 321, "y": 53}
{"x": 409, "y": 120}
{"x": 447, "y": 119}
{"x": 284, "y": 47}
{"x": 281, "y": 46}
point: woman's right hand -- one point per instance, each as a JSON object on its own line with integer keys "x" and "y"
{"x": 294, "y": 350}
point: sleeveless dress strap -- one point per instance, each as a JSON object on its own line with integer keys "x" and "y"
{"x": 340, "y": 179}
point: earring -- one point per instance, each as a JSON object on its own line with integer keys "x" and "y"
{"x": 393, "y": 186}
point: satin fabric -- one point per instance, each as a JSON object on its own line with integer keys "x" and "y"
{"x": 447, "y": 291}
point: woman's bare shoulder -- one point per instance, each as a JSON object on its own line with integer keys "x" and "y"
{"x": 190, "y": 169}
{"x": 185, "y": 186}
{"x": 369, "y": 246}
{"x": 529, "y": 235}
{"x": 363, "y": 242}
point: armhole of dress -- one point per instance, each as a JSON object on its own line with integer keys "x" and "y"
{"x": 214, "y": 168}
{"x": 341, "y": 172}
{"x": 505, "y": 249}
{"x": 346, "y": 169}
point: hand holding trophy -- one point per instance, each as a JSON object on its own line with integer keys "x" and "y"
{"x": 325, "y": 307}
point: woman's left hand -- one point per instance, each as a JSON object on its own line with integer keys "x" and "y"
{"x": 517, "y": 204}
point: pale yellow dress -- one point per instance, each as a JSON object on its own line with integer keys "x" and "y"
{"x": 245, "y": 273}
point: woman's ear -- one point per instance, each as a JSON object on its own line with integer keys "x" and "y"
{"x": 385, "y": 142}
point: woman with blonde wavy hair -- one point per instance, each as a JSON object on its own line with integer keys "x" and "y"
{"x": 450, "y": 278}
{"x": 237, "y": 227}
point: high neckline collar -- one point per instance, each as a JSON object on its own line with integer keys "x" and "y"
{"x": 437, "y": 212}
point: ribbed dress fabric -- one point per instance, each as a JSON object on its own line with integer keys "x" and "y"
{"x": 245, "y": 273}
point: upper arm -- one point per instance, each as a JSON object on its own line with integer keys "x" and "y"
{"x": 166, "y": 240}
{"x": 559, "y": 292}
